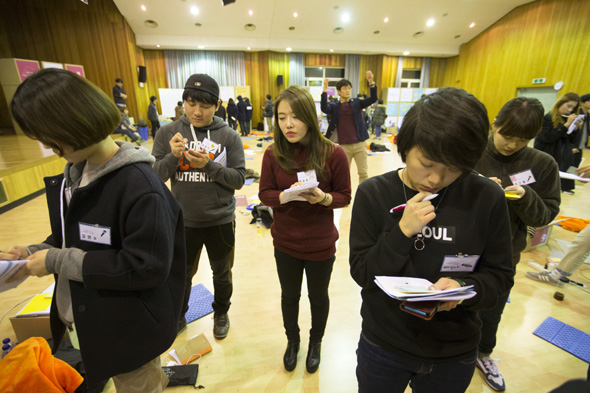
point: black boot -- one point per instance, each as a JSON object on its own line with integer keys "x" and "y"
{"x": 290, "y": 358}
{"x": 313, "y": 357}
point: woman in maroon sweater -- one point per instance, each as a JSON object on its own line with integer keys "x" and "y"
{"x": 303, "y": 231}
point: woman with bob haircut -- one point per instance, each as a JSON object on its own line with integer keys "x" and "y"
{"x": 531, "y": 179}
{"x": 459, "y": 238}
{"x": 554, "y": 138}
{"x": 303, "y": 231}
{"x": 119, "y": 272}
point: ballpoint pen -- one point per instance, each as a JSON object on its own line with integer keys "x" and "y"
{"x": 403, "y": 205}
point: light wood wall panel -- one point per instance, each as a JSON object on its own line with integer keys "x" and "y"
{"x": 325, "y": 60}
{"x": 94, "y": 35}
{"x": 437, "y": 72}
{"x": 374, "y": 63}
{"x": 543, "y": 39}
{"x": 155, "y": 67}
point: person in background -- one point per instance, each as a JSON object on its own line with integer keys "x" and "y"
{"x": 204, "y": 160}
{"x": 116, "y": 247}
{"x": 303, "y": 231}
{"x": 119, "y": 94}
{"x": 242, "y": 116}
{"x": 268, "y": 112}
{"x": 153, "y": 115}
{"x": 584, "y": 130}
{"x": 232, "y": 114}
{"x": 347, "y": 124}
{"x": 378, "y": 119}
{"x": 126, "y": 128}
{"x": 220, "y": 112}
{"x": 178, "y": 110}
{"x": 555, "y": 139}
{"x": 248, "y": 114}
{"x": 530, "y": 179}
{"x": 459, "y": 238}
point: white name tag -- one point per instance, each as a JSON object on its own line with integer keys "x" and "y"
{"x": 210, "y": 146}
{"x": 95, "y": 233}
{"x": 523, "y": 178}
{"x": 307, "y": 177}
{"x": 459, "y": 263}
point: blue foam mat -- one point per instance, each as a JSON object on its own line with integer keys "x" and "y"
{"x": 199, "y": 303}
{"x": 565, "y": 337}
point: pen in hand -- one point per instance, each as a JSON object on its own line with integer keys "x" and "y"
{"x": 403, "y": 205}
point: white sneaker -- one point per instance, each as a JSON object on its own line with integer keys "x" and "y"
{"x": 547, "y": 277}
{"x": 491, "y": 374}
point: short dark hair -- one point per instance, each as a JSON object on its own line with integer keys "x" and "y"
{"x": 239, "y": 98}
{"x": 341, "y": 83}
{"x": 521, "y": 117}
{"x": 585, "y": 97}
{"x": 192, "y": 95}
{"x": 153, "y": 98}
{"x": 268, "y": 97}
{"x": 450, "y": 127}
{"x": 118, "y": 80}
{"x": 231, "y": 102}
{"x": 58, "y": 107}
{"x": 179, "y": 103}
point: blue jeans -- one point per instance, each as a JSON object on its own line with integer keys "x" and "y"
{"x": 378, "y": 131}
{"x": 379, "y": 371}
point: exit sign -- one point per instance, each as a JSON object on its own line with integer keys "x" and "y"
{"x": 538, "y": 81}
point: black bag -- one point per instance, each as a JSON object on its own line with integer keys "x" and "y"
{"x": 260, "y": 127}
{"x": 182, "y": 375}
{"x": 264, "y": 213}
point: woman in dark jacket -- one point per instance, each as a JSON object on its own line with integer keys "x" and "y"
{"x": 242, "y": 116}
{"x": 232, "y": 114}
{"x": 248, "y": 113}
{"x": 554, "y": 138}
{"x": 379, "y": 117}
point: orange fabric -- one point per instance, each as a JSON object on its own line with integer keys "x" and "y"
{"x": 246, "y": 146}
{"x": 572, "y": 223}
{"x": 30, "y": 367}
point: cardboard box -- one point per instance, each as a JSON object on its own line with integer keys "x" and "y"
{"x": 35, "y": 326}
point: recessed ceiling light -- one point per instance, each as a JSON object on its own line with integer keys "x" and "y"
{"x": 345, "y": 17}
{"x": 331, "y": 50}
{"x": 418, "y": 34}
{"x": 289, "y": 49}
{"x": 201, "y": 47}
{"x": 158, "y": 46}
{"x": 194, "y": 10}
{"x": 251, "y": 12}
{"x": 248, "y": 48}
{"x": 430, "y": 22}
{"x": 143, "y": 7}
{"x": 376, "y": 32}
{"x": 291, "y": 28}
{"x": 151, "y": 23}
{"x": 250, "y": 27}
{"x": 457, "y": 36}
{"x": 445, "y": 14}
{"x": 338, "y": 30}
{"x": 472, "y": 25}
{"x": 198, "y": 24}
{"x": 406, "y": 53}
{"x": 295, "y": 15}
{"x": 386, "y": 20}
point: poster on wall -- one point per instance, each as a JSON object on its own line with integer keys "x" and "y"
{"x": 404, "y": 107}
{"x": 406, "y": 95}
{"x": 430, "y": 90}
{"x": 393, "y": 94}
{"x": 392, "y": 108}
{"x": 76, "y": 69}
{"x": 26, "y": 68}
{"x": 316, "y": 92}
{"x": 225, "y": 93}
{"x": 243, "y": 91}
{"x": 418, "y": 94}
{"x": 49, "y": 64}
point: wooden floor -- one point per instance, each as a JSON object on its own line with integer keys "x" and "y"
{"x": 250, "y": 358}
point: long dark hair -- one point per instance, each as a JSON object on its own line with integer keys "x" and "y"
{"x": 318, "y": 147}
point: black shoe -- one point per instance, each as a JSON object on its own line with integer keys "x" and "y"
{"x": 290, "y": 358}
{"x": 220, "y": 325}
{"x": 313, "y": 357}
{"x": 181, "y": 325}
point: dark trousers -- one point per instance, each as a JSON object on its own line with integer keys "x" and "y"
{"x": 317, "y": 273}
{"x": 127, "y": 132}
{"x": 381, "y": 371}
{"x": 220, "y": 241}
{"x": 155, "y": 127}
{"x": 490, "y": 319}
{"x": 244, "y": 127}
{"x": 232, "y": 123}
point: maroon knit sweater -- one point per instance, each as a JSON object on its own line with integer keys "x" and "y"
{"x": 301, "y": 229}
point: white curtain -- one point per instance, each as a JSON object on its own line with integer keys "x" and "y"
{"x": 400, "y": 69}
{"x": 227, "y": 68}
{"x": 425, "y": 74}
{"x": 352, "y": 72}
{"x": 297, "y": 69}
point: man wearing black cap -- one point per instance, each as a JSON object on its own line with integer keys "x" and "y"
{"x": 204, "y": 159}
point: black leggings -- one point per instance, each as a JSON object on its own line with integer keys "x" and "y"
{"x": 317, "y": 273}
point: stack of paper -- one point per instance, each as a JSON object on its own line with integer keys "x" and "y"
{"x": 9, "y": 269}
{"x": 193, "y": 349}
{"x": 416, "y": 289}
{"x": 292, "y": 194}
{"x": 38, "y": 305}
